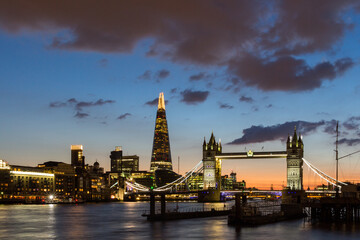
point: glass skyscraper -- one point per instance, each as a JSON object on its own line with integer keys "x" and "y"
{"x": 161, "y": 154}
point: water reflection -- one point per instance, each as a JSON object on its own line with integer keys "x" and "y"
{"x": 123, "y": 220}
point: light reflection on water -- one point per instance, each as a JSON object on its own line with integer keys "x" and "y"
{"x": 123, "y": 220}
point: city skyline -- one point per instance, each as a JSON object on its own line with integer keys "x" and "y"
{"x": 246, "y": 71}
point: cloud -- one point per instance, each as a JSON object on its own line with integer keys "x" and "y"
{"x": 78, "y": 106}
{"x": 155, "y": 102}
{"x": 81, "y": 115}
{"x": 100, "y": 102}
{"x": 256, "y": 134}
{"x": 330, "y": 127}
{"x": 349, "y": 142}
{"x": 352, "y": 123}
{"x": 146, "y": 75}
{"x": 246, "y": 99}
{"x": 162, "y": 74}
{"x": 269, "y": 106}
{"x": 193, "y": 97}
{"x": 201, "y": 76}
{"x": 158, "y": 76}
{"x": 123, "y": 116}
{"x": 291, "y": 74}
{"x": 57, "y": 104}
{"x": 225, "y": 106}
{"x": 261, "y": 35}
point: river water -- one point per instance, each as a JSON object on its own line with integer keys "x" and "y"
{"x": 124, "y": 221}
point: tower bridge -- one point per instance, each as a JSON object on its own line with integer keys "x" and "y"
{"x": 213, "y": 157}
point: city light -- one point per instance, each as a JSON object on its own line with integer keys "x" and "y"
{"x": 32, "y": 173}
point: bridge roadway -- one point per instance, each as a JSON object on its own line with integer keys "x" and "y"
{"x": 277, "y": 192}
{"x": 250, "y": 154}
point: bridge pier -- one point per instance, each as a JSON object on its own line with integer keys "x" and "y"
{"x": 163, "y": 203}
{"x": 152, "y": 204}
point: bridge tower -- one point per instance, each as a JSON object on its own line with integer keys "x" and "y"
{"x": 212, "y": 171}
{"x": 295, "y": 153}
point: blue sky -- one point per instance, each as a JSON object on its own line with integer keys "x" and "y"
{"x": 223, "y": 67}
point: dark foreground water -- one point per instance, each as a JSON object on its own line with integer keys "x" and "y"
{"x": 124, "y": 221}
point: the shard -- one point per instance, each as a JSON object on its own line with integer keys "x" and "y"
{"x": 161, "y": 154}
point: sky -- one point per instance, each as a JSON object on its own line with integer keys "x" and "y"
{"x": 86, "y": 72}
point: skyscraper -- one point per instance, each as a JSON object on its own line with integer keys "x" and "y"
{"x": 120, "y": 163}
{"x": 115, "y": 160}
{"x": 77, "y": 158}
{"x": 161, "y": 155}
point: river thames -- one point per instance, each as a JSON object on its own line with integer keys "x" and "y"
{"x": 123, "y": 220}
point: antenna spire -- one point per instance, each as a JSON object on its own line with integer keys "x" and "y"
{"x": 161, "y": 104}
{"x": 337, "y": 159}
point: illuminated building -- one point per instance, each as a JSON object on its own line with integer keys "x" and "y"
{"x": 99, "y": 190}
{"x": 233, "y": 177}
{"x": 227, "y": 183}
{"x": 161, "y": 155}
{"x": 64, "y": 179}
{"x": 115, "y": 160}
{"x": 144, "y": 178}
{"x": 295, "y": 152}
{"x": 27, "y": 184}
{"x": 239, "y": 185}
{"x": 212, "y": 172}
{"x": 82, "y": 180}
{"x": 77, "y": 158}
{"x": 4, "y": 180}
{"x": 123, "y": 164}
{"x": 196, "y": 182}
{"x": 55, "y": 181}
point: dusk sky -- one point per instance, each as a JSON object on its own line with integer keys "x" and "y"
{"x": 86, "y": 72}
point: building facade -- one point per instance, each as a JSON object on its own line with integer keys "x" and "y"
{"x": 77, "y": 157}
{"x": 161, "y": 154}
{"x": 64, "y": 179}
{"x": 212, "y": 166}
{"x": 123, "y": 164}
{"x": 25, "y": 184}
{"x": 295, "y": 153}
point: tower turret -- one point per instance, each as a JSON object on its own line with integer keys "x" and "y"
{"x": 204, "y": 145}
{"x": 295, "y": 153}
{"x": 212, "y": 165}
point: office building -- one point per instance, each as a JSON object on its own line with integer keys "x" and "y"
{"x": 77, "y": 158}
{"x": 161, "y": 154}
{"x": 123, "y": 164}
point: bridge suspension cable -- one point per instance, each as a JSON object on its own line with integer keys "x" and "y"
{"x": 179, "y": 180}
{"x": 323, "y": 175}
{"x": 114, "y": 185}
{"x": 137, "y": 186}
{"x": 166, "y": 187}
